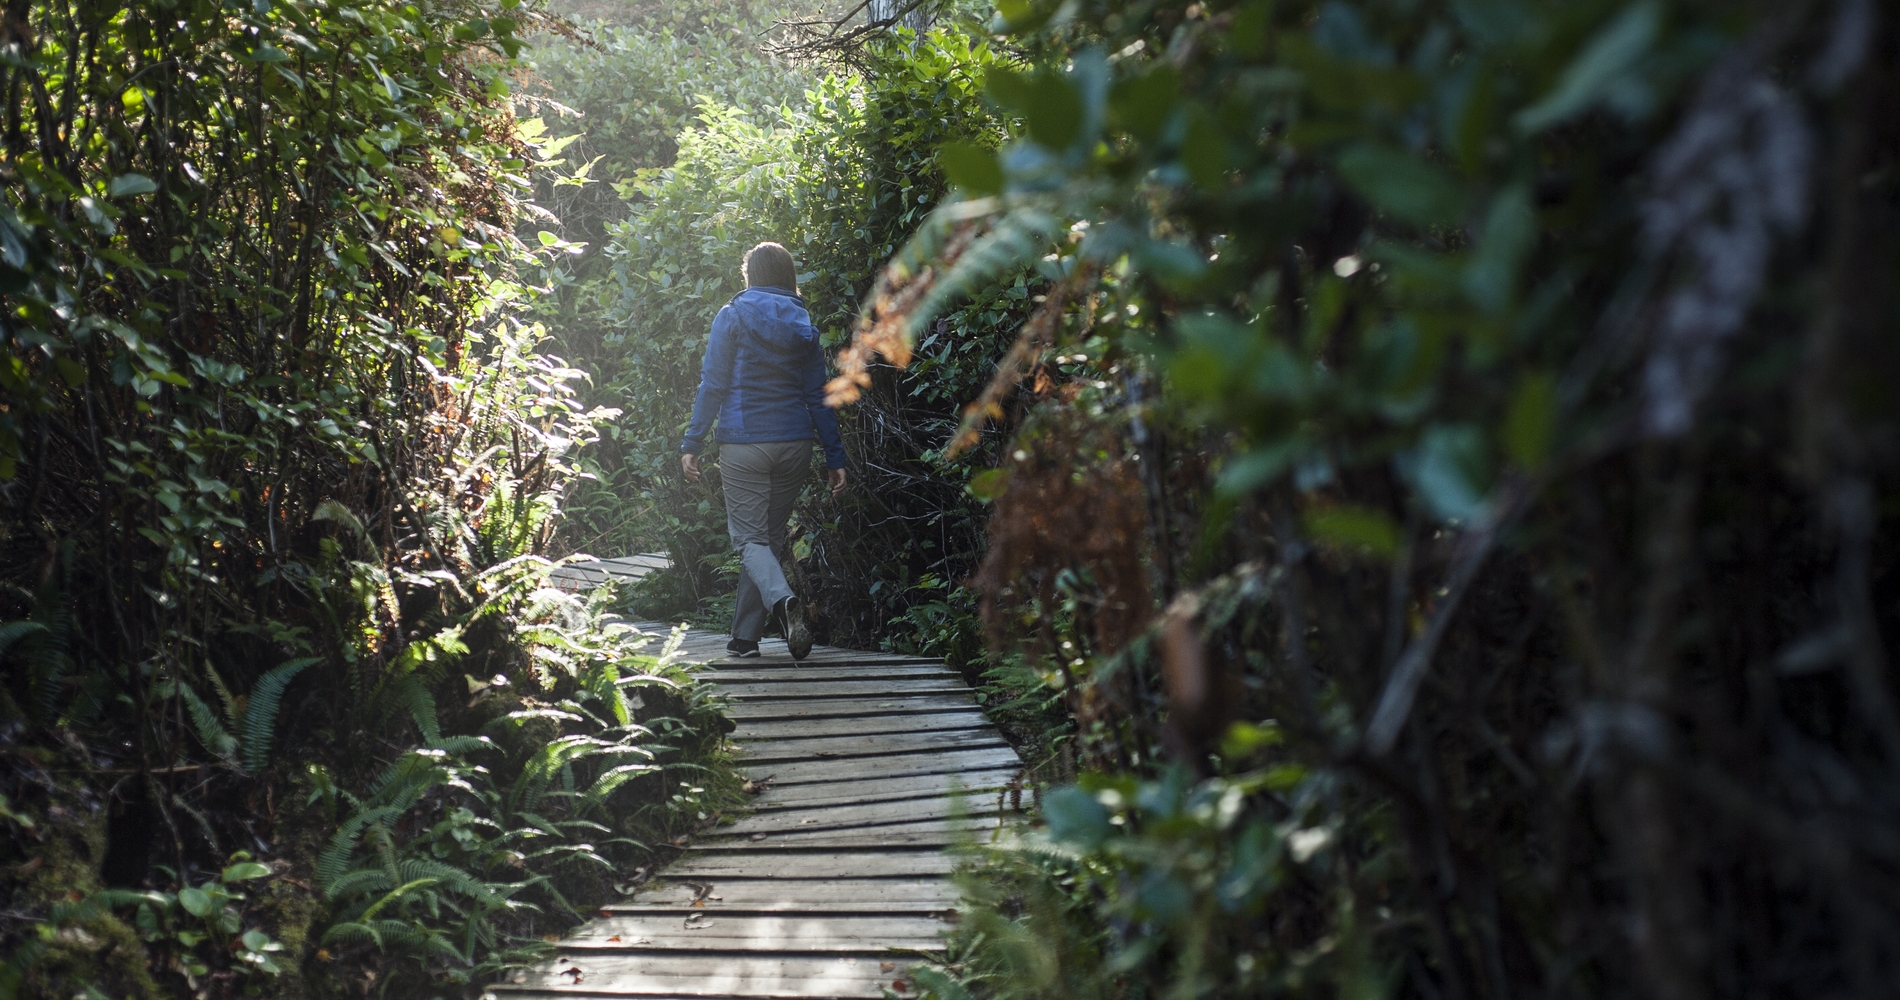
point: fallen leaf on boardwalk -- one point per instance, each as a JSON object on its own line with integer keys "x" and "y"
{"x": 550, "y": 937}
{"x": 574, "y": 971}
{"x": 757, "y": 836}
{"x": 699, "y": 902}
{"x": 897, "y": 984}
{"x": 697, "y": 922}
{"x": 606, "y": 913}
{"x": 887, "y": 967}
{"x": 615, "y": 938}
{"x": 951, "y": 916}
{"x": 804, "y": 821}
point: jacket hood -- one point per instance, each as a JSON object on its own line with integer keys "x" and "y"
{"x": 776, "y": 317}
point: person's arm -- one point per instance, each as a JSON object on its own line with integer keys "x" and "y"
{"x": 715, "y": 383}
{"x": 823, "y": 419}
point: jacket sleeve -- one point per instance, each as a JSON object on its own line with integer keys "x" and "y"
{"x": 823, "y": 419}
{"x": 715, "y": 381}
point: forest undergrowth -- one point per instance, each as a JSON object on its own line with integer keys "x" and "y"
{"x": 290, "y": 707}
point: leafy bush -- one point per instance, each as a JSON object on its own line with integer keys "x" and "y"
{"x": 1478, "y": 377}
{"x": 280, "y": 457}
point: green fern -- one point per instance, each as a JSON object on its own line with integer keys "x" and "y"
{"x": 260, "y": 711}
{"x": 334, "y": 861}
{"x": 414, "y": 695}
{"x": 211, "y": 731}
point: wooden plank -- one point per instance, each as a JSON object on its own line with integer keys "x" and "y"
{"x": 928, "y": 833}
{"x": 843, "y": 895}
{"x": 947, "y": 762}
{"x": 859, "y": 725}
{"x": 874, "y": 745}
{"x": 884, "y": 789}
{"x": 777, "y": 864}
{"x": 713, "y": 975}
{"x": 766, "y": 690}
{"x": 820, "y": 708}
{"x": 866, "y": 814}
{"x": 708, "y": 931}
{"x": 846, "y": 672}
{"x": 823, "y": 657}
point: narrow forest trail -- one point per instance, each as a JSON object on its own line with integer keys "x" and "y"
{"x": 873, "y": 765}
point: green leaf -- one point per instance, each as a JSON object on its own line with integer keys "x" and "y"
{"x": 127, "y": 185}
{"x": 1448, "y": 469}
{"x": 244, "y": 870}
{"x": 1510, "y": 231}
{"x": 1602, "y": 73}
{"x": 1204, "y": 150}
{"x": 268, "y": 53}
{"x": 1048, "y": 102}
{"x": 195, "y": 901}
{"x": 1077, "y": 818}
{"x": 547, "y": 239}
{"x": 256, "y": 940}
{"x": 1354, "y": 528}
{"x": 1531, "y": 423}
{"x": 1143, "y": 104}
{"x": 1403, "y": 184}
{"x": 971, "y": 167}
{"x": 989, "y": 484}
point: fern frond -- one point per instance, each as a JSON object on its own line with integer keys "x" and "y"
{"x": 336, "y": 513}
{"x": 260, "y": 713}
{"x": 359, "y": 881}
{"x": 451, "y": 877}
{"x": 613, "y": 778}
{"x": 12, "y": 632}
{"x": 396, "y": 895}
{"x": 334, "y": 862}
{"x": 465, "y": 744}
{"x": 211, "y": 731}
{"x": 351, "y": 930}
{"x": 414, "y": 695}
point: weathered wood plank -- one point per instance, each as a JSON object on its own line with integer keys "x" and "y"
{"x": 713, "y": 975}
{"x": 846, "y": 672}
{"x": 945, "y": 762}
{"x": 859, "y": 814}
{"x": 767, "y": 690}
{"x": 883, "y": 789}
{"x": 797, "y": 932}
{"x": 843, "y": 895}
{"x": 915, "y": 722}
{"x": 874, "y": 745}
{"x": 839, "y": 708}
{"x": 927, "y": 833}
{"x": 777, "y": 864}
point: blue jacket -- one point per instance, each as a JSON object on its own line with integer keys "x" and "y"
{"x": 764, "y": 377}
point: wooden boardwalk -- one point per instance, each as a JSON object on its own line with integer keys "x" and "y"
{"x": 872, "y": 765}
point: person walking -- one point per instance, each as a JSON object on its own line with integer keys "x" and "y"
{"x": 763, "y": 383}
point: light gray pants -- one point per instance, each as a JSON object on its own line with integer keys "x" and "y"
{"x": 762, "y": 482}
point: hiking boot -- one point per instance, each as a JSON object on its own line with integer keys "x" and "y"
{"x": 790, "y": 612}
{"x": 741, "y": 649}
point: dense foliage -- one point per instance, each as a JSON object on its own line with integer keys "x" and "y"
{"x": 1459, "y": 519}
{"x": 843, "y": 173}
{"x": 287, "y": 707}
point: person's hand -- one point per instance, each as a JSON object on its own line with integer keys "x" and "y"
{"x": 689, "y": 464}
{"x": 835, "y": 479}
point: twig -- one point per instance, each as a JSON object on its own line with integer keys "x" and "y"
{"x": 1401, "y": 687}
